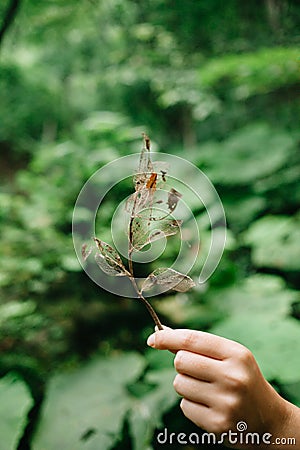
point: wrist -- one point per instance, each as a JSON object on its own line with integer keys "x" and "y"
{"x": 285, "y": 424}
{"x": 291, "y": 426}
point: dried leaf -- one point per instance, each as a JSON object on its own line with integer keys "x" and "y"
{"x": 109, "y": 260}
{"x": 130, "y": 202}
{"x": 85, "y": 251}
{"x": 138, "y": 201}
{"x": 168, "y": 227}
{"x": 146, "y": 229}
{"x": 140, "y": 233}
{"x": 163, "y": 175}
{"x": 145, "y": 167}
{"x": 168, "y": 278}
{"x": 173, "y": 198}
{"x": 161, "y": 166}
{"x": 151, "y": 183}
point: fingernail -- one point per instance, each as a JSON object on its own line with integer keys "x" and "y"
{"x": 151, "y": 341}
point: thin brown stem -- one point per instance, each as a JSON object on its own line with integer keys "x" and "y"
{"x": 130, "y": 246}
{"x": 147, "y": 304}
{"x": 151, "y": 311}
{"x": 130, "y": 264}
{"x": 133, "y": 281}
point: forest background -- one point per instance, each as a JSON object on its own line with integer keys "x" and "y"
{"x": 215, "y": 82}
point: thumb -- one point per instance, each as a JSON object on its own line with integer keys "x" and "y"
{"x": 149, "y": 340}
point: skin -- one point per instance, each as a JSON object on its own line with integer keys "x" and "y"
{"x": 221, "y": 384}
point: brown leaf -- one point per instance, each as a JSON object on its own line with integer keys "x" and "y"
{"x": 173, "y": 198}
{"x": 109, "y": 260}
{"x": 85, "y": 251}
{"x": 168, "y": 278}
{"x": 144, "y": 170}
{"x": 151, "y": 183}
{"x": 145, "y": 230}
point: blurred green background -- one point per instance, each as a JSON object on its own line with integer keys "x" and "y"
{"x": 216, "y": 82}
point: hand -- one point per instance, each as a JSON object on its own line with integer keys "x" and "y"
{"x": 221, "y": 384}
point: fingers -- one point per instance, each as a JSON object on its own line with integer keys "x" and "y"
{"x": 197, "y": 366}
{"x": 193, "y": 341}
{"x": 199, "y": 414}
{"x": 194, "y": 390}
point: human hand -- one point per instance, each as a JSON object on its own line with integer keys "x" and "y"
{"x": 221, "y": 385}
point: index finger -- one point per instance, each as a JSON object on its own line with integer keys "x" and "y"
{"x": 191, "y": 340}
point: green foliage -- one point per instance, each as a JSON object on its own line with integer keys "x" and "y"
{"x": 260, "y": 72}
{"x": 37, "y": 255}
{"x": 216, "y": 83}
{"x": 257, "y": 314}
{"x": 93, "y": 401}
{"x": 15, "y": 403}
{"x": 257, "y": 148}
{"x": 276, "y": 242}
{"x": 146, "y": 412}
{"x": 24, "y": 126}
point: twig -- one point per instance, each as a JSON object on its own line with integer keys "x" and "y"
{"x": 130, "y": 251}
{"x": 132, "y": 279}
{"x": 147, "y": 304}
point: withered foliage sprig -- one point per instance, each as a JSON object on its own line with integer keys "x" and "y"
{"x": 147, "y": 223}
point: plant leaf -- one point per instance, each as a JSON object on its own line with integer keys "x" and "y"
{"x": 256, "y": 314}
{"x": 173, "y": 198}
{"x": 90, "y": 402}
{"x": 147, "y": 228}
{"x": 15, "y": 402}
{"x": 109, "y": 260}
{"x": 85, "y": 251}
{"x": 275, "y": 242}
{"x": 145, "y": 166}
{"x": 168, "y": 278}
{"x": 146, "y": 414}
{"x": 168, "y": 227}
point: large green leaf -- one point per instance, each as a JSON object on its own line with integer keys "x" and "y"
{"x": 248, "y": 154}
{"x": 275, "y": 343}
{"x": 257, "y": 316}
{"x": 240, "y": 209}
{"x": 275, "y": 242}
{"x": 15, "y": 402}
{"x": 146, "y": 413}
{"x": 85, "y": 409}
{"x": 248, "y": 74}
